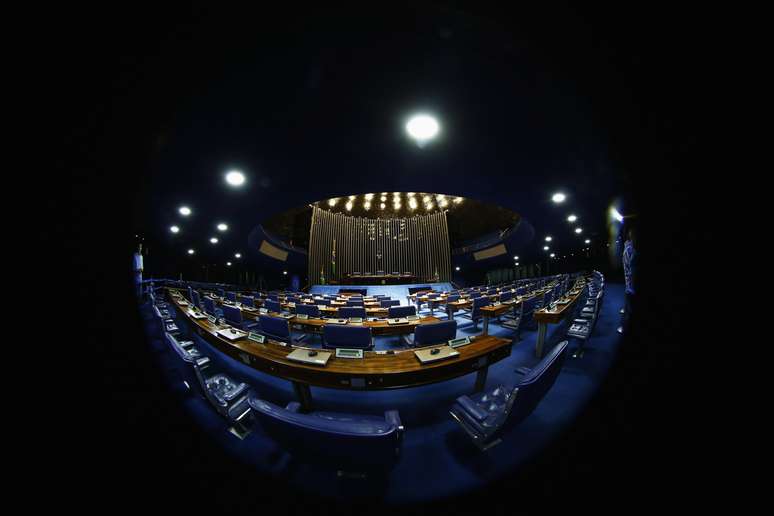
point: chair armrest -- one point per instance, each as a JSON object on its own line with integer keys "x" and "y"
{"x": 471, "y": 408}
{"x": 393, "y": 418}
{"x": 241, "y": 388}
{"x": 293, "y": 406}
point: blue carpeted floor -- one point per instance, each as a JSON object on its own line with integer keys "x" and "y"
{"x": 437, "y": 457}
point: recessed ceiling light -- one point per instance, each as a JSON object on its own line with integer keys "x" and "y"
{"x": 284, "y": 272}
{"x": 456, "y": 268}
{"x": 367, "y": 205}
{"x": 184, "y": 210}
{"x": 381, "y": 206}
{"x": 174, "y": 229}
{"x": 235, "y": 178}
{"x": 587, "y": 241}
{"x": 548, "y": 239}
{"x": 552, "y": 255}
{"x": 191, "y": 251}
{"x": 572, "y": 218}
{"x": 515, "y": 257}
{"x": 331, "y": 202}
{"x": 579, "y": 230}
{"x": 213, "y": 240}
{"x": 222, "y": 227}
{"x": 348, "y": 206}
{"x": 545, "y": 248}
{"x": 422, "y": 127}
{"x": 228, "y": 263}
{"x": 237, "y": 255}
{"x": 558, "y": 197}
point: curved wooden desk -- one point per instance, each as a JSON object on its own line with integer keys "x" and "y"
{"x": 375, "y": 371}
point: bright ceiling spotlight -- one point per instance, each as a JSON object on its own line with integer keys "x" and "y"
{"x": 235, "y": 178}
{"x": 367, "y": 205}
{"x": 422, "y": 128}
{"x": 383, "y": 197}
{"x": 369, "y": 196}
{"x": 285, "y": 273}
{"x": 614, "y": 213}
{"x": 579, "y": 230}
{"x": 222, "y": 227}
{"x": 558, "y": 197}
{"x": 426, "y": 199}
{"x": 213, "y": 240}
{"x": 572, "y": 218}
{"x": 191, "y": 251}
{"x": 548, "y": 239}
{"x": 184, "y": 211}
{"x": 382, "y": 206}
{"x": 331, "y": 202}
{"x": 552, "y": 255}
{"x": 587, "y": 241}
{"x": 456, "y": 268}
{"x": 174, "y": 229}
{"x": 228, "y": 263}
{"x": 546, "y": 248}
{"x": 413, "y": 203}
{"x": 351, "y": 197}
{"x": 515, "y": 257}
{"x": 348, "y": 206}
{"x": 410, "y": 194}
{"x": 238, "y": 255}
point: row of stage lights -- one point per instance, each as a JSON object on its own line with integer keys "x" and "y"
{"x": 412, "y": 200}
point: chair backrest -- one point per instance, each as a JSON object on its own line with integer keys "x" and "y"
{"x": 351, "y": 311}
{"x": 354, "y": 302}
{"x": 384, "y": 303}
{"x": 324, "y": 301}
{"x": 196, "y": 299}
{"x": 401, "y": 311}
{"x": 505, "y": 296}
{"x": 310, "y": 310}
{"x": 276, "y": 327}
{"x": 434, "y": 333}
{"x": 347, "y": 439}
{"x": 537, "y": 382}
{"x": 273, "y": 306}
{"x": 475, "y": 294}
{"x": 340, "y": 336}
{"x": 274, "y": 296}
{"x": 209, "y": 305}
{"x": 477, "y": 304}
{"x": 231, "y": 296}
{"x": 247, "y": 300}
{"x": 232, "y": 314}
{"x": 452, "y": 298}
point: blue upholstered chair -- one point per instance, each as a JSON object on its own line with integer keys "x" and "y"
{"x": 351, "y": 311}
{"x": 427, "y": 334}
{"x": 228, "y": 396}
{"x": 505, "y": 296}
{"x": 310, "y": 310}
{"x": 247, "y": 301}
{"x": 401, "y": 311}
{"x": 273, "y": 306}
{"x": 196, "y": 300}
{"x": 484, "y": 415}
{"x": 275, "y": 328}
{"x": 341, "y": 336}
{"x": 335, "y": 439}
{"x": 475, "y": 312}
{"x": 582, "y": 328}
{"x": 231, "y": 296}
{"x": 386, "y": 303}
{"x": 210, "y": 308}
{"x": 354, "y": 302}
{"x": 233, "y": 316}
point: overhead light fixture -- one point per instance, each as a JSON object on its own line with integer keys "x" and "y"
{"x": 184, "y": 211}
{"x": 237, "y": 255}
{"x": 458, "y": 200}
{"x": 548, "y": 239}
{"x": 369, "y": 196}
{"x": 228, "y": 263}
{"x": 174, "y": 229}
{"x": 382, "y": 206}
{"x": 222, "y": 227}
{"x": 235, "y": 178}
{"x": 422, "y": 128}
{"x": 191, "y": 251}
{"x": 413, "y": 203}
{"x": 545, "y": 248}
{"x": 456, "y": 268}
{"x": 367, "y": 205}
{"x": 285, "y": 273}
{"x": 587, "y": 241}
{"x": 351, "y": 197}
{"x": 348, "y": 206}
{"x": 579, "y": 230}
{"x": 213, "y": 240}
{"x": 515, "y": 257}
{"x": 552, "y": 255}
{"x": 572, "y": 218}
{"x": 558, "y": 197}
{"x": 331, "y": 202}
